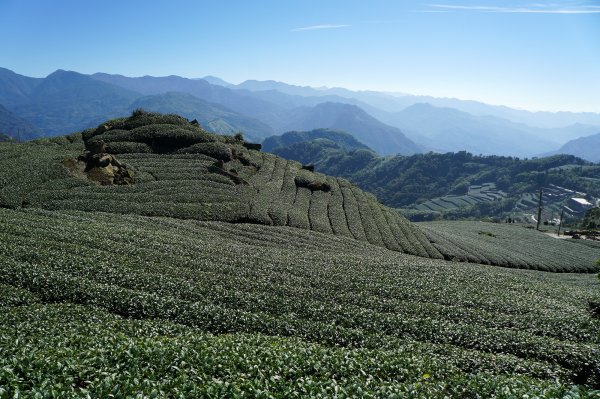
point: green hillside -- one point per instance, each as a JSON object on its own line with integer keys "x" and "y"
{"x": 591, "y": 220}
{"x": 149, "y": 258}
{"x": 162, "y": 165}
{"x": 508, "y": 245}
{"x": 344, "y": 140}
{"x": 450, "y": 185}
{"x": 189, "y": 308}
{"x": 185, "y": 172}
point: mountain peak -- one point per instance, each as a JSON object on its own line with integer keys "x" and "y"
{"x": 214, "y": 80}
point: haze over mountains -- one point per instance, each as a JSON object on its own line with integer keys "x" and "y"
{"x": 67, "y": 101}
{"x": 587, "y": 148}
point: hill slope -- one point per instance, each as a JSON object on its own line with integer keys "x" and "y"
{"x": 343, "y": 139}
{"x": 155, "y": 284}
{"x": 181, "y": 171}
{"x": 587, "y": 148}
{"x": 508, "y": 245}
{"x": 487, "y": 185}
{"x": 16, "y": 127}
{"x": 185, "y": 172}
{"x": 213, "y": 117}
{"x": 188, "y": 306}
{"x": 351, "y": 119}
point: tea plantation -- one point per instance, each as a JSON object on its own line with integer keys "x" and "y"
{"x": 185, "y": 172}
{"x": 87, "y": 296}
{"x": 509, "y": 245}
{"x": 476, "y": 194}
{"x": 225, "y": 272}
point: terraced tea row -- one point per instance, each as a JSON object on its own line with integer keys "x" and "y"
{"x": 185, "y": 172}
{"x": 298, "y": 283}
{"x": 476, "y": 194}
{"x": 509, "y": 245}
{"x": 131, "y": 358}
{"x": 289, "y": 195}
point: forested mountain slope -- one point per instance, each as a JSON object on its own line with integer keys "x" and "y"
{"x": 406, "y": 181}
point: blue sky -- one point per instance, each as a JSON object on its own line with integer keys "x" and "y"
{"x": 534, "y": 55}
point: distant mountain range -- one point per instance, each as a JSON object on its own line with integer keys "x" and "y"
{"x": 67, "y": 101}
{"x": 281, "y": 111}
{"x": 394, "y": 102}
{"x": 447, "y": 129}
{"x": 382, "y": 138}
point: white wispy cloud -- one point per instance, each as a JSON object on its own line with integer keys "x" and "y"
{"x": 318, "y": 27}
{"x": 536, "y": 8}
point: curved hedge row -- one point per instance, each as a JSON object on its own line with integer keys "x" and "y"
{"x": 278, "y": 192}
{"x": 509, "y": 245}
{"x": 209, "y": 177}
{"x": 331, "y": 291}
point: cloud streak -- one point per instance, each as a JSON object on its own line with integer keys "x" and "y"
{"x": 320, "y": 27}
{"x": 531, "y": 9}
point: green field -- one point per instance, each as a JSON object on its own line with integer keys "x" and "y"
{"x": 350, "y": 316}
{"x": 226, "y": 272}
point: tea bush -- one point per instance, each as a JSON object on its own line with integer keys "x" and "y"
{"x": 509, "y": 246}
{"x": 527, "y": 329}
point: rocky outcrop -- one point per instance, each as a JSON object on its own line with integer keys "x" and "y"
{"x": 101, "y": 167}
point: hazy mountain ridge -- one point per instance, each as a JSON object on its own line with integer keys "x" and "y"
{"x": 279, "y": 98}
{"x": 15, "y": 88}
{"x": 451, "y": 130}
{"x": 430, "y": 121}
{"x": 214, "y": 117}
{"x": 394, "y": 102}
{"x": 68, "y": 101}
{"x": 202, "y": 89}
{"x": 382, "y": 138}
{"x": 587, "y": 148}
{"x": 18, "y": 128}
{"x": 283, "y": 112}
{"x": 482, "y": 128}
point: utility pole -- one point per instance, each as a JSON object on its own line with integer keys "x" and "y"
{"x": 560, "y": 223}
{"x": 539, "y": 214}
